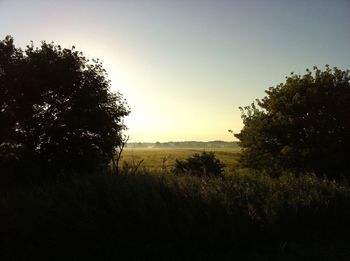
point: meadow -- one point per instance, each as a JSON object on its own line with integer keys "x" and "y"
{"x": 163, "y": 159}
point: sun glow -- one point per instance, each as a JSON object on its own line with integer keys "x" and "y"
{"x": 184, "y": 69}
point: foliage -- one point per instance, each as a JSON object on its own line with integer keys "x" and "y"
{"x": 201, "y": 165}
{"x": 302, "y": 125}
{"x": 149, "y": 217}
{"x": 57, "y": 110}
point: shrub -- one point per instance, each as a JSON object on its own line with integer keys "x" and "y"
{"x": 201, "y": 165}
{"x": 150, "y": 217}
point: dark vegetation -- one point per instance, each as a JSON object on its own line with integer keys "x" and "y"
{"x": 301, "y": 126}
{"x": 60, "y": 126}
{"x": 200, "y": 165}
{"x": 58, "y": 115}
{"x": 147, "y": 217}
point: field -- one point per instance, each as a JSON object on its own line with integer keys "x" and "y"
{"x": 163, "y": 159}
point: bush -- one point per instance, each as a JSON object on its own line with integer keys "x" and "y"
{"x": 200, "y": 165}
{"x": 150, "y": 217}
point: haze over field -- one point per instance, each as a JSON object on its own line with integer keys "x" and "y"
{"x": 184, "y": 67}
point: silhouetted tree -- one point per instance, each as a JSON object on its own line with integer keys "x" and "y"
{"x": 302, "y": 125}
{"x": 119, "y": 152}
{"x": 201, "y": 165}
{"x": 57, "y": 110}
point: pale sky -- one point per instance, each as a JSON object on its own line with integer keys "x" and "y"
{"x": 185, "y": 67}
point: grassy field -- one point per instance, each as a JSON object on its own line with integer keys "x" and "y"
{"x": 163, "y": 159}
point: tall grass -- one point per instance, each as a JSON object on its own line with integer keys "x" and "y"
{"x": 147, "y": 217}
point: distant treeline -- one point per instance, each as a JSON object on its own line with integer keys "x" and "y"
{"x": 183, "y": 144}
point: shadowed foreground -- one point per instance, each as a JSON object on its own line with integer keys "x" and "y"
{"x": 145, "y": 217}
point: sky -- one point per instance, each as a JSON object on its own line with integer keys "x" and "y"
{"x": 185, "y": 67}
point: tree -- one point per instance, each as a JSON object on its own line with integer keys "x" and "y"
{"x": 57, "y": 110}
{"x": 118, "y": 153}
{"x": 200, "y": 165}
{"x": 302, "y": 125}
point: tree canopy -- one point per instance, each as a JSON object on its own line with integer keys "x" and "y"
{"x": 57, "y": 110}
{"x": 302, "y": 125}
